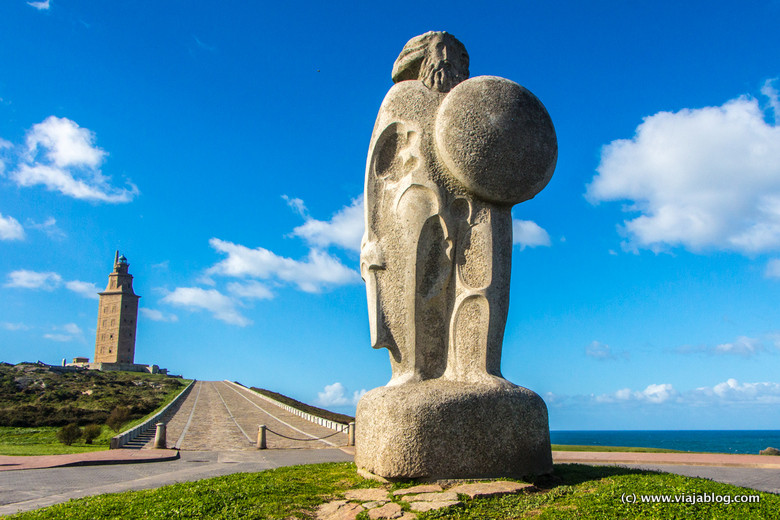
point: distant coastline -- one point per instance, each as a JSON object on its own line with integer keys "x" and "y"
{"x": 715, "y": 441}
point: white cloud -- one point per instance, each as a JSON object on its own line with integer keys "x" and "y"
{"x": 335, "y": 395}
{"x": 202, "y": 45}
{"x": 311, "y": 275}
{"x": 64, "y": 143}
{"x": 772, "y": 95}
{"x": 71, "y": 328}
{"x": 706, "y": 178}
{"x": 41, "y": 6}
{"x": 773, "y": 268}
{"x": 14, "y": 326}
{"x": 25, "y": 279}
{"x": 297, "y": 205}
{"x": 742, "y": 346}
{"x": 62, "y": 157}
{"x": 155, "y": 315}
{"x": 68, "y": 332}
{"x": 344, "y": 229}
{"x": 732, "y": 391}
{"x": 654, "y": 393}
{"x": 529, "y": 234}
{"x": 49, "y": 227}
{"x": 728, "y": 393}
{"x": 85, "y": 289}
{"x": 62, "y": 180}
{"x": 48, "y": 281}
{"x": 602, "y": 352}
{"x": 220, "y": 306}
{"x": 10, "y": 229}
{"x": 250, "y": 290}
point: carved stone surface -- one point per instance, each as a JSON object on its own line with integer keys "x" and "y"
{"x": 448, "y": 158}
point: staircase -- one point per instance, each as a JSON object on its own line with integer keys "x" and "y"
{"x": 142, "y": 440}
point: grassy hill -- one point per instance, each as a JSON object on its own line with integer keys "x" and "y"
{"x": 319, "y": 412}
{"x": 33, "y": 395}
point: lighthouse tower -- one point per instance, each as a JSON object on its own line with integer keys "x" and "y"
{"x": 117, "y": 316}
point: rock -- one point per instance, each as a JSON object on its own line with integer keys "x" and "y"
{"x": 492, "y": 489}
{"x": 423, "y": 488}
{"x": 367, "y": 495}
{"x": 430, "y": 506}
{"x": 431, "y": 497}
{"x": 769, "y": 451}
{"x": 391, "y": 510}
{"x": 339, "y": 510}
{"x": 441, "y": 429}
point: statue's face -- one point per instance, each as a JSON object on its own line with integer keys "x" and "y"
{"x": 446, "y": 64}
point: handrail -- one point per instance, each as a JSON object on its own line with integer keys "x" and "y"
{"x": 327, "y": 423}
{"x": 118, "y": 441}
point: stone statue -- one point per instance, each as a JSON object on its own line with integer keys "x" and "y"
{"x": 448, "y": 158}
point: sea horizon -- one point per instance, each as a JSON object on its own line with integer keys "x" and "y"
{"x": 715, "y": 441}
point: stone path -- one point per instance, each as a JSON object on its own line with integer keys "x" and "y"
{"x": 380, "y": 504}
{"x": 223, "y": 416}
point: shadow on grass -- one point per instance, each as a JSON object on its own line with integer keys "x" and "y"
{"x": 573, "y": 474}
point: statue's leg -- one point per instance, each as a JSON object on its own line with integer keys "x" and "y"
{"x": 433, "y": 276}
{"x": 414, "y": 207}
{"x": 483, "y": 263}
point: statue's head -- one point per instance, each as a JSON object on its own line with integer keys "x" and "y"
{"x": 436, "y": 58}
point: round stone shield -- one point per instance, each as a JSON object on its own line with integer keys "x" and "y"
{"x": 497, "y": 139}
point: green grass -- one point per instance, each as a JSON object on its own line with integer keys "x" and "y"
{"x": 42, "y": 440}
{"x": 170, "y": 396}
{"x": 33, "y": 395}
{"x": 567, "y": 447}
{"x": 319, "y": 412}
{"x": 577, "y": 491}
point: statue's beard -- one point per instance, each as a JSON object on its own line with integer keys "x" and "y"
{"x": 440, "y": 76}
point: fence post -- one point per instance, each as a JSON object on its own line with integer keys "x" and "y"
{"x": 351, "y": 434}
{"x": 159, "y": 437}
{"x": 261, "y": 437}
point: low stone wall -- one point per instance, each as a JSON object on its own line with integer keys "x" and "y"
{"x": 125, "y": 437}
{"x": 126, "y": 367}
{"x": 327, "y": 423}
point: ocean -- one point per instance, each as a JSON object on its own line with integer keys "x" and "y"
{"x": 716, "y": 441}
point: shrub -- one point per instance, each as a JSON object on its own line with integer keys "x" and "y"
{"x": 91, "y": 432}
{"x": 69, "y": 434}
{"x": 118, "y": 417}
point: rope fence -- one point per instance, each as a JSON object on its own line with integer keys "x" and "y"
{"x": 269, "y": 430}
{"x": 263, "y": 430}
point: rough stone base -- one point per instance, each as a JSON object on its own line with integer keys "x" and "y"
{"x": 438, "y": 429}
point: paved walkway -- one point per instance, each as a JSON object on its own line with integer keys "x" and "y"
{"x": 685, "y": 459}
{"x": 223, "y": 416}
{"x": 760, "y": 472}
{"x": 27, "y": 490}
{"x": 94, "y": 458}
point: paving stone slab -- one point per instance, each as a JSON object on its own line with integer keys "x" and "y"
{"x": 430, "y": 506}
{"x": 423, "y": 488}
{"x": 431, "y": 497}
{"x": 492, "y": 489}
{"x": 367, "y": 495}
{"x": 339, "y": 510}
{"x": 391, "y": 510}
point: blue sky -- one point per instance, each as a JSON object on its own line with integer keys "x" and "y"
{"x": 222, "y": 149}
